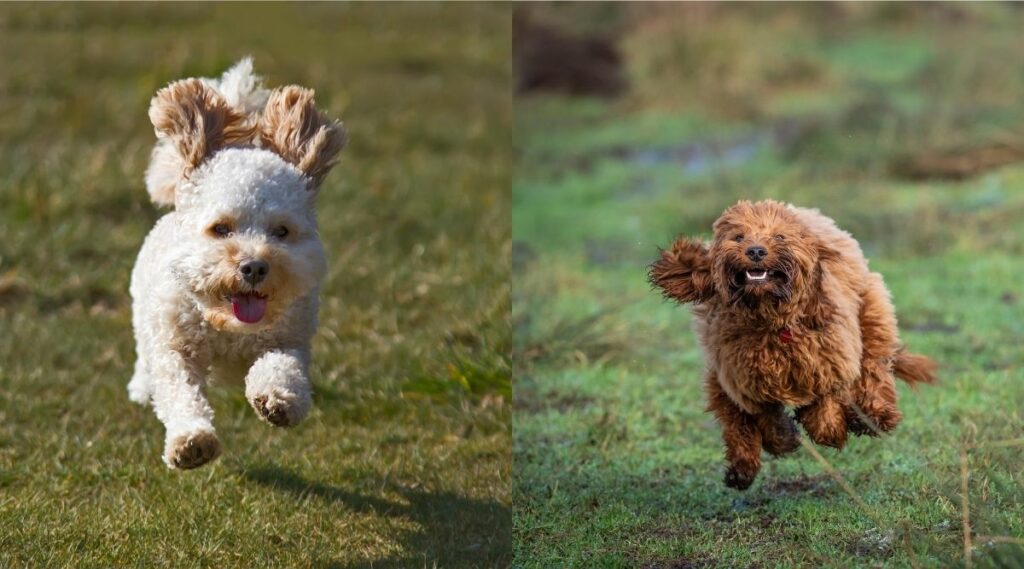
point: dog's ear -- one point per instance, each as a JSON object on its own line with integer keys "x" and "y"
{"x": 683, "y": 273}
{"x": 292, "y": 127}
{"x": 196, "y": 122}
{"x": 819, "y": 310}
{"x": 827, "y": 254}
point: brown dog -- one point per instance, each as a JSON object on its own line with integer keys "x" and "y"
{"x": 789, "y": 315}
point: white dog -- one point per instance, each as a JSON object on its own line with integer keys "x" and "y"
{"x": 226, "y": 285}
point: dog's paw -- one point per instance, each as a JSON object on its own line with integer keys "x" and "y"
{"x": 192, "y": 450}
{"x": 834, "y": 436}
{"x": 740, "y": 476}
{"x": 784, "y": 445}
{"x": 781, "y": 437}
{"x": 279, "y": 408}
{"x": 858, "y": 427}
{"x": 872, "y": 423}
{"x": 887, "y": 419}
{"x": 825, "y": 423}
{"x": 835, "y": 439}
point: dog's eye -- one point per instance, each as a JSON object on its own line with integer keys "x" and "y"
{"x": 780, "y": 237}
{"x": 738, "y": 238}
{"x": 221, "y": 230}
{"x": 280, "y": 232}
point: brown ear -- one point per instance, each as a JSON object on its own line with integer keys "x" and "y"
{"x": 819, "y": 310}
{"x": 197, "y": 121}
{"x": 292, "y": 127}
{"x": 684, "y": 272}
{"x": 827, "y": 254}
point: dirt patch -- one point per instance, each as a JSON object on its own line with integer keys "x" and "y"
{"x": 680, "y": 531}
{"x": 766, "y": 520}
{"x": 683, "y": 562}
{"x": 959, "y": 163}
{"x": 12, "y": 289}
{"x": 817, "y": 485}
{"x": 547, "y": 58}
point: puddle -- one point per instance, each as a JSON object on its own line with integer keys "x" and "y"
{"x": 929, "y": 326}
{"x": 702, "y": 156}
{"x": 699, "y": 158}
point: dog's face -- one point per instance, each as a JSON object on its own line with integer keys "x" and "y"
{"x": 761, "y": 252}
{"x": 250, "y": 245}
{"x": 244, "y": 189}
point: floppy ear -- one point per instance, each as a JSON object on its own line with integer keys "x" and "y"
{"x": 684, "y": 272}
{"x": 292, "y": 127}
{"x": 827, "y": 254}
{"x": 819, "y": 310}
{"x": 193, "y": 121}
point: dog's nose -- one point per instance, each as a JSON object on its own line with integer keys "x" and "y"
{"x": 253, "y": 272}
{"x": 756, "y": 253}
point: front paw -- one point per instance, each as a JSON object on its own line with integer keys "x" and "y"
{"x": 825, "y": 423}
{"x": 780, "y": 436}
{"x": 873, "y": 423}
{"x": 280, "y": 408}
{"x": 740, "y": 475}
{"x": 835, "y": 438}
{"x": 191, "y": 450}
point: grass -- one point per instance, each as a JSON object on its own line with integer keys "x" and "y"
{"x": 616, "y": 462}
{"x": 405, "y": 461}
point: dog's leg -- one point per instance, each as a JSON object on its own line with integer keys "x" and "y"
{"x": 825, "y": 421}
{"x": 277, "y": 386}
{"x": 779, "y": 434}
{"x": 140, "y": 388}
{"x": 741, "y": 435}
{"x": 875, "y": 392}
{"x": 179, "y": 402}
{"x": 683, "y": 273}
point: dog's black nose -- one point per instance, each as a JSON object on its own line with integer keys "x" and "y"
{"x": 253, "y": 272}
{"x": 756, "y": 253}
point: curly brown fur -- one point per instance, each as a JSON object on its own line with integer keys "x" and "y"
{"x": 684, "y": 272}
{"x": 789, "y": 315}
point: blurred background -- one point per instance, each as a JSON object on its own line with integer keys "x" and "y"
{"x": 639, "y": 122}
{"x": 405, "y": 460}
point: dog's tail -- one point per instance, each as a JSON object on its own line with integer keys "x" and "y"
{"x": 914, "y": 368}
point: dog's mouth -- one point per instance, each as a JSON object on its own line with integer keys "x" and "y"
{"x": 760, "y": 276}
{"x": 249, "y": 307}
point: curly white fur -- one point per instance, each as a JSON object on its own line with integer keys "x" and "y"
{"x": 241, "y": 205}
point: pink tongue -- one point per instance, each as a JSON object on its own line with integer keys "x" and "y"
{"x": 248, "y": 308}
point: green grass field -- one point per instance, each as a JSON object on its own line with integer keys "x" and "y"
{"x": 616, "y": 464}
{"x": 406, "y": 459}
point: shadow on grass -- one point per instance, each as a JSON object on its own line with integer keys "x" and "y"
{"x": 454, "y": 531}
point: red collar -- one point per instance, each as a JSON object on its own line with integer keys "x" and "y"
{"x": 785, "y": 336}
